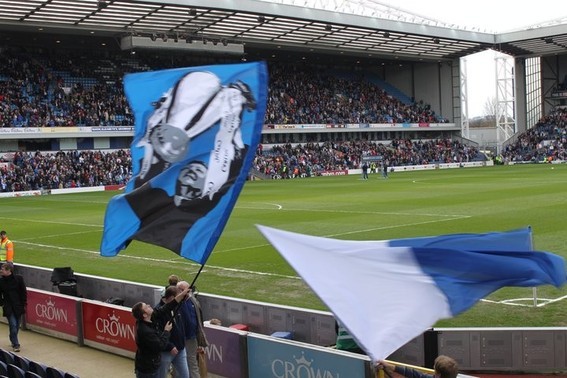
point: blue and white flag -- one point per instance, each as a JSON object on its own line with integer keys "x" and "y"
{"x": 195, "y": 138}
{"x": 386, "y": 295}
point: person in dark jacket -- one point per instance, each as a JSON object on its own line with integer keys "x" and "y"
{"x": 150, "y": 339}
{"x": 13, "y": 298}
{"x": 174, "y": 353}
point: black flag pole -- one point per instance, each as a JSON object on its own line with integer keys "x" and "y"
{"x": 197, "y": 276}
{"x": 192, "y": 286}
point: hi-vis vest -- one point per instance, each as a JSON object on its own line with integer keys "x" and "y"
{"x": 5, "y": 247}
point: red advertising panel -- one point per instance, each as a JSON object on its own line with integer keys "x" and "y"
{"x": 52, "y": 312}
{"x": 108, "y": 325}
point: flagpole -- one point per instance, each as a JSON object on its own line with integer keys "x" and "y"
{"x": 178, "y": 307}
{"x": 196, "y": 276}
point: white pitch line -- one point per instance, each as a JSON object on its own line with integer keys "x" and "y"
{"x": 54, "y": 222}
{"x": 176, "y": 260}
{"x": 58, "y": 235}
{"x": 541, "y": 302}
{"x": 280, "y": 207}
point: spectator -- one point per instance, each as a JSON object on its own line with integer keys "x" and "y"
{"x": 195, "y": 339}
{"x": 151, "y": 340}
{"x": 13, "y": 298}
{"x": 174, "y": 352}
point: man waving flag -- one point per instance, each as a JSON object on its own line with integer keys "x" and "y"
{"x": 391, "y": 291}
{"x": 195, "y": 137}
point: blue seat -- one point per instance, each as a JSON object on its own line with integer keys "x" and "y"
{"x": 38, "y": 368}
{"x": 54, "y": 373}
{"x": 6, "y": 356}
{"x": 21, "y": 362}
{"x": 15, "y": 371}
{"x": 31, "y": 374}
{"x": 3, "y": 368}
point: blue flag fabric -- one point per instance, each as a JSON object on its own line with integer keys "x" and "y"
{"x": 196, "y": 134}
{"x": 514, "y": 240}
{"x": 391, "y": 291}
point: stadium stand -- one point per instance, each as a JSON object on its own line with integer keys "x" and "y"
{"x": 82, "y": 89}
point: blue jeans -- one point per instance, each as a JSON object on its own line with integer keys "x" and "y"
{"x": 14, "y": 325}
{"x": 179, "y": 363}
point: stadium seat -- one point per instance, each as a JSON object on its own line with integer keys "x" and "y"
{"x": 70, "y": 375}
{"x": 6, "y": 356}
{"x": 3, "y": 368}
{"x": 54, "y": 373}
{"x": 38, "y": 368}
{"x": 16, "y": 372}
{"x": 31, "y": 374}
{"x": 21, "y": 362}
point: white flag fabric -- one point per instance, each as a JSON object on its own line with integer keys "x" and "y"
{"x": 386, "y": 295}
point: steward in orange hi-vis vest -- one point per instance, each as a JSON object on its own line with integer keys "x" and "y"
{"x": 6, "y": 248}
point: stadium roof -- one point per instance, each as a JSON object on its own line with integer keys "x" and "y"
{"x": 362, "y": 28}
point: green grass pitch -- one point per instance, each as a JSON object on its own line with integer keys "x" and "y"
{"x": 65, "y": 230}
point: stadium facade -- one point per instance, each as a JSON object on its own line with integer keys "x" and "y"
{"x": 415, "y": 57}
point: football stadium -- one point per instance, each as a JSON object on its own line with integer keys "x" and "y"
{"x": 307, "y": 168}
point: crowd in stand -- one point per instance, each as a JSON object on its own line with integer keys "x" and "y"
{"x": 47, "y": 90}
{"x": 33, "y": 93}
{"x": 543, "y": 143}
{"x": 310, "y": 96}
{"x": 33, "y": 171}
{"x": 311, "y": 159}
{"x": 74, "y": 169}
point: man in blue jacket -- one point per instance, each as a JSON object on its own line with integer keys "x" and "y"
{"x": 174, "y": 352}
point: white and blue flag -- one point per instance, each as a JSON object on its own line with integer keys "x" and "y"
{"x": 386, "y": 293}
{"x": 195, "y": 138}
